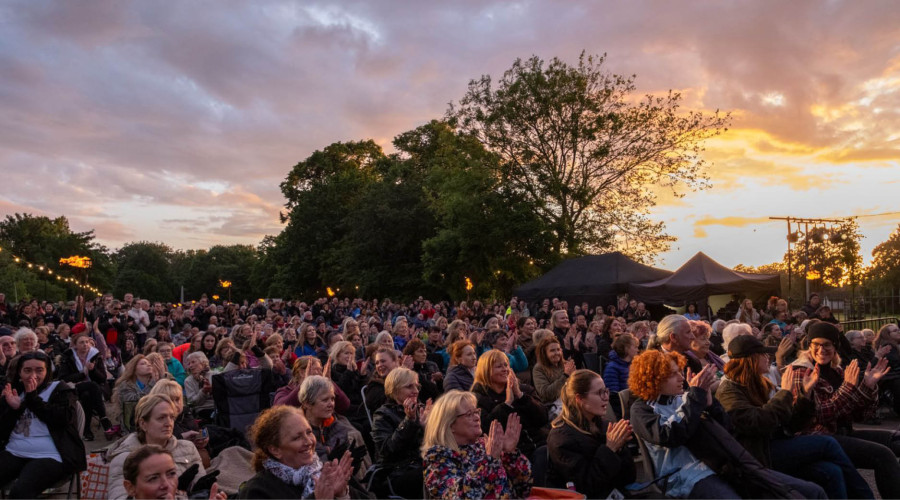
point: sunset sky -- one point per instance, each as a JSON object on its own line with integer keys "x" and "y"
{"x": 176, "y": 121}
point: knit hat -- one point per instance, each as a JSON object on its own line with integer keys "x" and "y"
{"x": 78, "y": 328}
{"x": 822, "y": 330}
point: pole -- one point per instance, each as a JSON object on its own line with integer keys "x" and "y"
{"x": 790, "y": 274}
{"x": 806, "y": 241}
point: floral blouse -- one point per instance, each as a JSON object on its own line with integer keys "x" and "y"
{"x": 472, "y": 473}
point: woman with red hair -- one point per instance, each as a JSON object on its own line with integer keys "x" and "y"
{"x": 668, "y": 420}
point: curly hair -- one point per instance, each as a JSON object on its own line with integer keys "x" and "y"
{"x": 649, "y": 370}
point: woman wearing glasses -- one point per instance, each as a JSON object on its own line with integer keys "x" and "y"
{"x": 462, "y": 463}
{"x": 397, "y": 430}
{"x": 582, "y": 449}
{"x": 842, "y": 396}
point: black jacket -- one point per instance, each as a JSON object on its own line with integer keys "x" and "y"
{"x": 397, "y": 439}
{"x": 69, "y": 372}
{"x": 532, "y": 414}
{"x": 351, "y": 382}
{"x": 265, "y": 485}
{"x": 585, "y": 460}
{"x": 59, "y": 414}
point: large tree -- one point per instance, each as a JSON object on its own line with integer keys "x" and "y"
{"x": 884, "y": 273}
{"x": 585, "y": 153}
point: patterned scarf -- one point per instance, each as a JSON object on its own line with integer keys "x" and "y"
{"x": 305, "y": 475}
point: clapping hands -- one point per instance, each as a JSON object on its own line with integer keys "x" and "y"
{"x": 500, "y": 441}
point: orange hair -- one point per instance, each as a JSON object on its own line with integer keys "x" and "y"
{"x": 649, "y": 370}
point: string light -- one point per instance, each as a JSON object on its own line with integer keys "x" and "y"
{"x": 40, "y": 268}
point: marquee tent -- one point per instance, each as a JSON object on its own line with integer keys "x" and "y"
{"x": 596, "y": 279}
{"x": 701, "y": 277}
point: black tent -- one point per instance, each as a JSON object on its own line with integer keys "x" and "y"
{"x": 701, "y": 277}
{"x": 595, "y": 279}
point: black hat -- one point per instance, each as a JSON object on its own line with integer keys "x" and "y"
{"x": 747, "y": 345}
{"x": 823, "y": 330}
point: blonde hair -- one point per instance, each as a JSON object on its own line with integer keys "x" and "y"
{"x": 486, "y": 366}
{"x": 145, "y": 408}
{"x": 337, "y": 348}
{"x": 443, "y": 414}
{"x": 578, "y": 384}
{"x": 168, "y": 388}
{"x": 397, "y": 378}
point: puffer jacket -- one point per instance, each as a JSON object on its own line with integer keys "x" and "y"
{"x": 397, "y": 438}
{"x": 184, "y": 452}
{"x": 615, "y": 373}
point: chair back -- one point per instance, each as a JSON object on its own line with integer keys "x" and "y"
{"x": 592, "y": 362}
{"x": 540, "y": 465}
{"x": 365, "y": 405}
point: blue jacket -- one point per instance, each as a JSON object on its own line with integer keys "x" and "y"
{"x": 615, "y": 374}
{"x": 174, "y": 367}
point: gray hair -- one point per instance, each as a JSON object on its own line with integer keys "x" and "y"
{"x": 313, "y": 387}
{"x": 733, "y": 331}
{"x": 382, "y": 335}
{"x": 717, "y": 325}
{"x": 669, "y": 325}
{"x": 23, "y": 332}
{"x": 852, "y": 334}
{"x": 198, "y": 356}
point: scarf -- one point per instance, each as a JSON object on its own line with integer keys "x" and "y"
{"x": 306, "y": 475}
{"x": 81, "y": 364}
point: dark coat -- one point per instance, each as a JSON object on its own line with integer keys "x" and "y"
{"x": 585, "y": 460}
{"x": 265, "y": 485}
{"x": 458, "y": 377}
{"x": 69, "y": 372}
{"x": 532, "y": 414}
{"x": 397, "y": 438}
{"x": 59, "y": 414}
{"x": 755, "y": 426}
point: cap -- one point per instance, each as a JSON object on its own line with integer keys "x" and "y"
{"x": 747, "y": 345}
{"x": 78, "y": 328}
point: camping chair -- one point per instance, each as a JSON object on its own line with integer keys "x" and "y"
{"x": 365, "y": 405}
{"x": 592, "y": 362}
{"x": 540, "y": 466}
{"x": 654, "y": 486}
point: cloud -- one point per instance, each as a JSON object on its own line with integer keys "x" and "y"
{"x": 135, "y": 113}
{"x": 729, "y": 221}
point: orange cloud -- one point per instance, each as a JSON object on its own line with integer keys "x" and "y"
{"x": 730, "y": 221}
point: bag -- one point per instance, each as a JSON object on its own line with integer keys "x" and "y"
{"x": 718, "y": 449}
{"x": 94, "y": 479}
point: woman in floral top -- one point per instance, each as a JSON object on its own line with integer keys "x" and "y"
{"x": 462, "y": 463}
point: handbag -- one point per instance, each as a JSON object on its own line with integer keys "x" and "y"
{"x": 94, "y": 479}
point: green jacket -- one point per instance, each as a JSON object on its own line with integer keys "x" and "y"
{"x": 755, "y": 426}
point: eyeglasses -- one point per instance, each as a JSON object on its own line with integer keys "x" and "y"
{"x": 825, "y": 347}
{"x": 470, "y": 414}
{"x": 603, "y": 393}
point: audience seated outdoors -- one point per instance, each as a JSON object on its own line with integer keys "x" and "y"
{"x": 452, "y": 400}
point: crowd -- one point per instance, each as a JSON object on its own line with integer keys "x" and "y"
{"x": 344, "y": 398}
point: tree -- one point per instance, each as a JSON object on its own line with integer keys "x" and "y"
{"x": 321, "y": 192}
{"x": 43, "y": 241}
{"x": 884, "y": 272}
{"x": 584, "y": 155}
{"x": 484, "y": 231}
{"x": 145, "y": 270}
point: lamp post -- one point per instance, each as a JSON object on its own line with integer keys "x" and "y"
{"x": 226, "y": 285}
{"x": 83, "y": 263}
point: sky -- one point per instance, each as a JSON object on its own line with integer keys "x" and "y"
{"x": 176, "y": 121}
